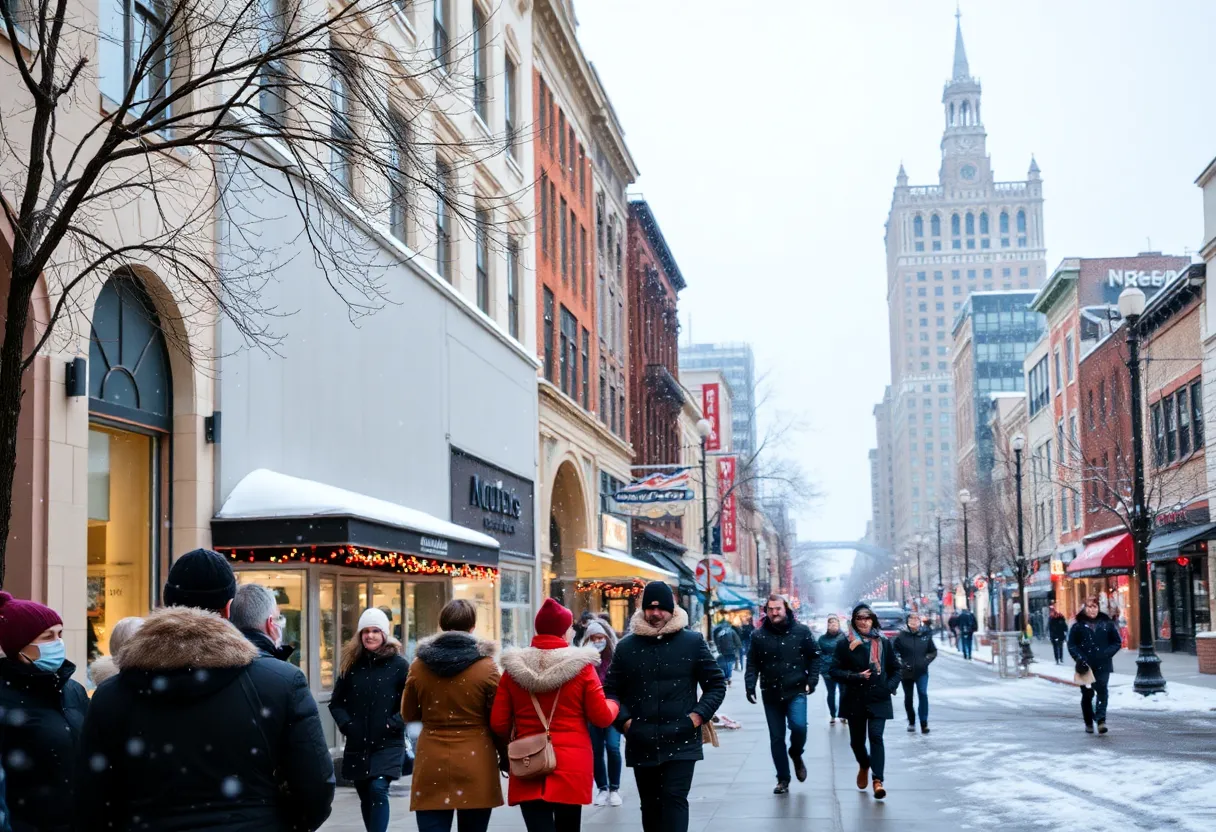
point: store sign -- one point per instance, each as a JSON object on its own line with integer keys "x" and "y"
{"x": 434, "y": 546}
{"x": 1125, "y": 278}
{"x": 614, "y": 533}
{"x": 1102, "y": 279}
{"x": 711, "y": 408}
{"x": 488, "y": 499}
{"x": 674, "y": 487}
{"x": 726, "y": 487}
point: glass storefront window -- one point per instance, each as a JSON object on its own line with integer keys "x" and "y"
{"x": 121, "y": 544}
{"x": 352, "y": 601}
{"x": 424, "y": 600}
{"x": 290, "y": 592}
{"x": 484, "y": 596}
{"x": 618, "y": 611}
{"x": 515, "y": 597}
{"x": 328, "y": 602}
{"x": 388, "y": 596}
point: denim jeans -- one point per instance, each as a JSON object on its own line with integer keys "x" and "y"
{"x": 779, "y": 713}
{"x": 1057, "y": 647}
{"x": 965, "y": 641}
{"x": 1089, "y": 710}
{"x": 831, "y": 687}
{"x": 921, "y": 683}
{"x": 727, "y": 665}
{"x": 606, "y": 743}
{"x": 440, "y": 820}
{"x": 866, "y": 727}
{"x": 373, "y": 803}
{"x": 663, "y": 790}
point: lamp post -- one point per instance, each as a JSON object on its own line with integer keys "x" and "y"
{"x": 1148, "y": 664}
{"x": 903, "y": 580}
{"x": 964, "y": 497}
{"x": 920, "y": 590}
{"x": 704, "y": 429}
{"x": 1019, "y": 444}
{"x": 941, "y": 584}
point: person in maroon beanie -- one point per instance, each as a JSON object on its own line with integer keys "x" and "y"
{"x": 43, "y": 713}
{"x": 552, "y": 687}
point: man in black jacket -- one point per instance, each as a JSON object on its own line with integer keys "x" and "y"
{"x": 255, "y": 612}
{"x": 654, "y": 677}
{"x": 198, "y": 730}
{"x": 967, "y": 625}
{"x": 785, "y": 658}
{"x": 916, "y": 650}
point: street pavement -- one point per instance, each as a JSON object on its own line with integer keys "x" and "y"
{"x": 1002, "y": 754}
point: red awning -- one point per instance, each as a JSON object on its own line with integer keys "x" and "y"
{"x": 1113, "y": 555}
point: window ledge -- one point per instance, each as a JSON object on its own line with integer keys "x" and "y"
{"x": 481, "y": 125}
{"x": 403, "y": 21}
{"x": 514, "y": 165}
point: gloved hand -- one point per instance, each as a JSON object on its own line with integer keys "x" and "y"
{"x": 751, "y": 696}
{"x": 1082, "y": 668}
{"x": 810, "y": 690}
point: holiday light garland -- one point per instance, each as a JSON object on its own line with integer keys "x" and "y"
{"x": 400, "y": 562}
{"x": 613, "y": 590}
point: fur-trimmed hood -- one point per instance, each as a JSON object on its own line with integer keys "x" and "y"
{"x": 639, "y": 627}
{"x": 451, "y": 653}
{"x": 539, "y": 669}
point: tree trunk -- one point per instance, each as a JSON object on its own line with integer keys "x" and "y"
{"x": 12, "y": 385}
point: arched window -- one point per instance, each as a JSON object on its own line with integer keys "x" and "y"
{"x": 129, "y": 365}
{"x": 918, "y": 226}
{"x": 1021, "y": 222}
{"x": 954, "y": 225}
{"x": 951, "y": 113}
{"x": 1004, "y": 222}
{"x": 984, "y": 222}
{"x": 970, "y": 223}
{"x": 935, "y": 225}
{"x": 965, "y": 114}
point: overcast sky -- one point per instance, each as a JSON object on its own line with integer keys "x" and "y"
{"x": 769, "y": 135}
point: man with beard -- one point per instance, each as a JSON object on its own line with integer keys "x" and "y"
{"x": 785, "y": 658}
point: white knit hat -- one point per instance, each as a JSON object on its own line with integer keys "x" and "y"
{"x": 376, "y": 618}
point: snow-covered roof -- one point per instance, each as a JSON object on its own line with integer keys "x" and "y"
{"x": 264, "y": 493}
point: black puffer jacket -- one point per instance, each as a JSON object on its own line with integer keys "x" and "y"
{"x": 866, "y": 697}
{"x": 42, "y": 717}
{"x": 827, "y": 652}
{"x": 199, "y": 732}
{"x": 916, "y": 652}
{"x": 1057, "y": 627}
{"x": 366, "y": 706}
{"x": 967, "y": 625}
{"x": 1095, "y": 641}
{"x": 654, "y": 677}
{"x": 785, "y": 658}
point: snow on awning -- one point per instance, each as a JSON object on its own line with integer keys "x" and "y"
{"x": 614, "y": 566}
{"x": 272, "y": 510}
{"x": 1112, "y": 555}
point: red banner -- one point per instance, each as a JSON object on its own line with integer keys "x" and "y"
{"x": 726, "y": 485}
{"x": 711, "y": 409}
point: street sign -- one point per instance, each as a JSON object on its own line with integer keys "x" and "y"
{"x": 717, "y": 571}
{"x": 980, "y": 583}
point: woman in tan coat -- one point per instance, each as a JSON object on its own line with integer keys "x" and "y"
{"x": 451, "y": 689}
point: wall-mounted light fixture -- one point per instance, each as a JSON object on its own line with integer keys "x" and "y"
{"x": 211, "y": 428}
{"x": 76, "y": 379}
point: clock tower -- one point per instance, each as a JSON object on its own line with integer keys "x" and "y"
{"x": 965, "y": 162}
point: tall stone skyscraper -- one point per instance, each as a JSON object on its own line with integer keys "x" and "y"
{"x": 967, "y": 233}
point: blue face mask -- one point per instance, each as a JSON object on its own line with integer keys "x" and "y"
{"x": 599, "y": 645}
{"x": 51, "y": 655}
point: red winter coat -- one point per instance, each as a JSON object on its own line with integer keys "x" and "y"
{"x": 551, "y": 665}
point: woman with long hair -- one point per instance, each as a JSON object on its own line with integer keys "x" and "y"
{"x": 450, "y": 690}
{"x": 605, "y": 742}
{"x": 1093, "y": 641}
{"x": 364, "y": 707}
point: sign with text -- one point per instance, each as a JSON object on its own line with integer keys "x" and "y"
{"x": 726, "y": 495}
{"x": 711, "y": 409}
{"x": 1102, "y": 279}
{"x": 662, "y": 487}
{"x": 493, "y": 501}
{"x": 614, "y": 533}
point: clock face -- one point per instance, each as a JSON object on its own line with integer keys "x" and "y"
{"x": 968, "y": 172}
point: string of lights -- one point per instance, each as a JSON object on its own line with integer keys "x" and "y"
{"x": 399, "y": 562}
{"x": 613, "y": 590}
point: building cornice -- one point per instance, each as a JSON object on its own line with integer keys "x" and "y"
{"x": 563, "y": 405}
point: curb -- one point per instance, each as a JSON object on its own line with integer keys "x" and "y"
{"x": 1053, "y": 679}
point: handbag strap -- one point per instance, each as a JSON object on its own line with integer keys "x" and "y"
{"x": 552, "y": 712}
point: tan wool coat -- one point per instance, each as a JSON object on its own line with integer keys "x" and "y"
{"x": 450, "y": 690}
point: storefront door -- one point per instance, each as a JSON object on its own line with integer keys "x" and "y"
{"x": 1181, "y": 607}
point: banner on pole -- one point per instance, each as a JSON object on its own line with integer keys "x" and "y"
{"x": 726, "y": 495}
{"x": 711, "y": 408}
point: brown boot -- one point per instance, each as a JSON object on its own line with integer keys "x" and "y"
{"x": 863, "y": 778}
{"x": 879, "y": 791}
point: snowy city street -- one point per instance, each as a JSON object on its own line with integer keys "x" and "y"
{"x": 1009, "y": 755}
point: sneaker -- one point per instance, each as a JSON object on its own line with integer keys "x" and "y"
{"x": 863, "y": 778}
{"x": 832, "y": 721}
{"x": 879, "y": 791}
{"x": 911, "y": 727}
{"x": 601, "y": 798}
{"x": 799, "y": 767}
{"x": 1102, "y": 729}
{"x": 844, "y": 721}
{"x": 614, "y": 798}
{"x": 924, "y": 727}
{"x": 783, "y": 787}
{"x": 1089, "y": 728}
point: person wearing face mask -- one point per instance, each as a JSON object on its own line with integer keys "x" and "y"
{"x": 1093, "y": 642}
{"x": 868, "y": 667}
{"x": 43, "y": 714}
{"x": 605, "y": 742}
{"x": 827, "y": 656}
{"x": 255, "y": 612}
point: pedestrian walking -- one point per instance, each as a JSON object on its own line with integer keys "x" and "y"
{"x": 366, "y": 707}
{"x": 827, "y": 659}
{"x": 967, "y": 625}
{"x": 730, "y": 646}
{"x": 952, "y": 624}
{"x": 605, "y": 742}
{"x": 42, "y": 712}
{"x": 106, "y": 667}
{"x": 1057, "y": 629}
{"x": 552, "y": 689}
{"x": 450, "y": 689}
{"x": 198, "y": 730}
{"x": 255, "y": 612}
{"x": 785, "y": 660}
{"x": 1093, "y": 642}
{"x": 745, "y": 631}
{"x": 654, "y": 676}
{"x": 580, "y": 628}
{"x": 916, "y": 650}
{"x": 868, "y": 668}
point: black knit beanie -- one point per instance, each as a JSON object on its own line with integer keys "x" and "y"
{"x": 658, "y": 594}
{"x": 201, "y": 578}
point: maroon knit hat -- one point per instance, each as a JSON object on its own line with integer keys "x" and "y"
{"x": 21, "y": 622}
{"x": 553, "y": 619}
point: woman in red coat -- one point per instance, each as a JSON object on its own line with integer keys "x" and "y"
{"x": 553, "y": 672}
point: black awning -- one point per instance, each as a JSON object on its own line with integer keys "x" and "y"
{"x": 1169, "y": 545}
{"x": 672, "y": 563}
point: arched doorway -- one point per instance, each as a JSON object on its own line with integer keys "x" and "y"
{"x": 567, "y": 532}
{"x": 130, "y": 419}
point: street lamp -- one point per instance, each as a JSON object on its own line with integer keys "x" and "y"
{"x": 903, "y": 579}
{"x": 920, "y": 590}
{"x": 704, "y": 429}
{"x": 964, "y": 497}
{"x": 941, "y": 585}
{"x": 1019, "y": 445}
{"x": 1148, "y": 664}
